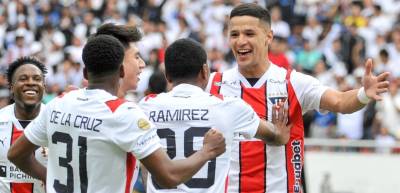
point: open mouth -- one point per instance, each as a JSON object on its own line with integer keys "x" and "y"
{"x": 243, "y": 52}
{"x": 30, "y": 92}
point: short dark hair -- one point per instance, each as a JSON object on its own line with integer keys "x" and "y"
{"x": 22, "y": 61}
{"x": 102, "y": 54}
{"x": 252, "y": 9}
{"x": 184, "y": 59}
{"x": 124, "y": 33}
{"x": 157, "y": 82}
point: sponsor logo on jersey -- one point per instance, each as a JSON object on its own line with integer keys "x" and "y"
{"x": 143, "y": 124}
{"x": 3, "y": 171}
{"x": 3, "y": 123}
{"x": 277, "y": 81}
{"x": 226, "y": 82}
{"x": 296, "y": 161}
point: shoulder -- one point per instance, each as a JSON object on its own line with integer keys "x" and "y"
{"x": 6, "y": 112}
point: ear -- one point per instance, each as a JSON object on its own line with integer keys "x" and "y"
{"x": 121, "y": 71}
{"x": 205, "y": 72}
{"x": 85, "y": 73}
{"x": 269, "y": 37}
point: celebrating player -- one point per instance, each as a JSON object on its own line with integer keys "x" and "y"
{"x": 187, "y": 112}
{"x": 26, "y": 79}
{"x": 93, "y": 137}
{"x": 257, "y": 167}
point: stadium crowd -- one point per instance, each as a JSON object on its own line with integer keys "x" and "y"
{"x": 329, "y": 39}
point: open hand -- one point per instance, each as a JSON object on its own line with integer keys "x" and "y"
{"x": 374, "y": 85}
{"x": 280, "y": 121}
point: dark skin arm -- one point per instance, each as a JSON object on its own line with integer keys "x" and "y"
{"x": 169, "y": 173}
{"x": 277, "y": 132}
{"x": 22, "y": 155}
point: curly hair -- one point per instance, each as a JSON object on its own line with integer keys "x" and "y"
{"x": 22, "y": 61}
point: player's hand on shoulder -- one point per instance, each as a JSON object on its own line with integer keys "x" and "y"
{"x": 280, "y": 121}
{"x": 214, "y": 143}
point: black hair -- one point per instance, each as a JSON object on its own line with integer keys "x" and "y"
{"x": 184, "y": 59}
{"x": 102, "y": 54}
{"x": 252, "y": 9}
{"x": 384, "y": 53}
{"x": 124, "y": 33}
{"x": 157, "y": 83}
{"x": 22, "y": 61}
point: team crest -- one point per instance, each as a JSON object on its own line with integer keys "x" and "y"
{"x": 275, "y": 98}
{"x": 143, "y": 124}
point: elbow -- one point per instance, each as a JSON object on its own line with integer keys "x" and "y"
{"x": 12, "y": 156}
{"x": 167, "y": 181}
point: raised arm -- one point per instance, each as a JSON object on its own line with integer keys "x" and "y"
{"x": 22, "y": 155}
{"x": 169, "y": 173}
{"x": 354, "y": 100}
{"x": 277, "y": 132}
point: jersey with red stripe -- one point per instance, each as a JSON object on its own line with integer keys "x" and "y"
{"x": 183, "y": 116}
{"x": 93, "y": 139}
{"x": 13, "y": 180}
{"x": 257, "y": 167}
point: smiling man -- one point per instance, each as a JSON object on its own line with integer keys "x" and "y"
{"x": 258, "y": 167}
{"x": 26, "y": 81}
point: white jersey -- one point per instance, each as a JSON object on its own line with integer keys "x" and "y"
{"x": 93, "y": 138}
{"x": 255, "y": 166}
{"x": 183, "y": 116}
{"x": 11, "y": 178}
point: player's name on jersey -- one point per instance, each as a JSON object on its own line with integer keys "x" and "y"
{"x": 167, "y": 115}
{"x": 77, "y": 121}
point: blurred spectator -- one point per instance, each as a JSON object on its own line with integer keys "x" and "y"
{"x": 278, "y": 26}
{"x": 384, "y": 141}
{"x": 4, "y": 96}
{"x": 307, "y": 58}
{"x": 276, "y": 52}
{"x": 389, "y": 109}
{"x": 157, "y": 83}
{"x": 355, "y": 18}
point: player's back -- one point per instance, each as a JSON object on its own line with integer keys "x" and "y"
{"x": 183, "y": 116}
{"x": 88, "y": 142}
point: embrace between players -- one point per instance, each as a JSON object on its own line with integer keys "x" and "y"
{"x": 246, "y": 136}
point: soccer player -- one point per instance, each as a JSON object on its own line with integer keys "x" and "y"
{"x": 26, "y": 80}
{"x": 133, "y": 63}
{"x": 257, "y": 167}
{"x": 184, "y": 114}
{"x": 92, "y": 136}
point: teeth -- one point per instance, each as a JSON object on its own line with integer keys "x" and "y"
{"x": 30, "y": 92}
{"x": 243, "y": 51}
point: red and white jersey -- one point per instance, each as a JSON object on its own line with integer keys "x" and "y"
{"x": 13, "y": 180}
{"x": 183, "y": 116}
{"x": 257, "y": 167}
{"x": 92, "y": 138}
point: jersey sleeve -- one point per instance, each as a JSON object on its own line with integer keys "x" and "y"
{"x": 36, "y": 131}
{"x": 308, "y": 89}
{"x": 135, "y": 133}
{"x": 246, "y": 121}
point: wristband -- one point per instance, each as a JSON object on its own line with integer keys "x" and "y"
{"x": 362, "y": 96}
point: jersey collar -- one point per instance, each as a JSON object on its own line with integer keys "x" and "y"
{"x": 260, "y": 81}
{"x": 186, "y": 89}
